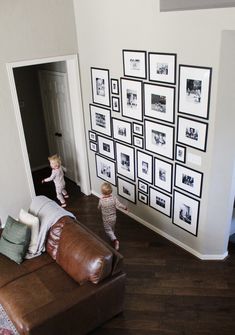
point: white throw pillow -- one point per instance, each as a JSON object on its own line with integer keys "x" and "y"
{"x": 33, "y": 222}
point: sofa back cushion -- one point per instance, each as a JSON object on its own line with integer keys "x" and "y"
{"x": 82, "y": 256}
{"x": 53, "y": 238}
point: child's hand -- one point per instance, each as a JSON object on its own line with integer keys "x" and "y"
{"x": 43, "y": 181}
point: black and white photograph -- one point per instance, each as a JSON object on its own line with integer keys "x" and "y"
{"x": 143, "y": 198}
{"x": 122, "y": 130}
{"x": 162, "y": 67}
{"x": 138, "y": 142}
{"x": 180, "y": 153}
{"x": 159, "y": 138}
{"x": 131, "y": 98}
{"x": 137, "y": 128}
{"x": 134, "y": 63}
{"x": 159, "y": 102}
{"x": 105, "y": 169}
{"x": 93, "y": 146}
{"x": 100, "y": 120}
{"x": 106, "y": 147}
{"x": 125, "y": 156}
{"x": 126, "y": 189}
{"x": 92, "y": 136}
{"x": 115, "y": 104}
{"x": 114, "y": 86}
{"x": 100, "y": 86}
{"x": 144, "y": 166}
{"x": 143, "y": 187}
{"x": 188, "y": 180}
{"x": 192, "y": 133}
{"x": 186, "y": 212}
{"x": 160, "y": 201}
{"x": 194, "y": 90}
{"x": 163, "y": 175}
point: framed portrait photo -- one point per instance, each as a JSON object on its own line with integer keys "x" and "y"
{"x": 126, "y": 189}
{"x": 162, "y": 67}
{"x": 93, "y": 146}
{"x": 143, "y": 198}
{"x": 159, "y": 138}
{"x": 105, "y": 169}
{"x": 194, "y": 90}
{"x": 106, "y": 147}
{"x": 115, "y": 104}
{"x": 131, "y": 92}
{"x": 122, "y": 130}
{"x": 188, "y": 180}
{"x": 138, "y": 142}
{"x": 134, "y": 63}
{"x": 92, "y": 136}
{"x": 100, "y": 120}
{"x": 192, "y": 133}
{"x": 100, "y": 86}
{"x": 114, "y": 86}
{"x": 125, "y": 156}
{"x": 163, "y": 175}
{"x": 180, "y": 153}
{"x": 137, "y": 128}
{"x": 159, "y": 102}
{"x": 186, "y": 212}
{"x": 160, "y": 201}
{"x": 143, "y": 187}
{"x": 144, "y": 166}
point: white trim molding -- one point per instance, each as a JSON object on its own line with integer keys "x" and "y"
{"x": 176, "y": 5}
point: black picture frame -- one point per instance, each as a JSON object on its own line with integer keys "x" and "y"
{"x": 92, "y": 136}
{"x": 132, "y": 98}
{"x": 101, "y": 120}
{"x": 134, "y": 63}
{"x": 138, "y": 128}
{"x": 100, "y": 84}
{"x": 138, "y": 142}
{"x": 122, "y": 130}
{"x": 114, "y": 86}
{"x": 188, "y": 180}
{"x": 126, "y": 189}
{"x": 143, "y": 198}
{"x": 106, "y": 169}
{"x": 162, "y": 67}
{"x": 116, "y": 104}
{"x": 93, "y": 146}
{"x": 180, "y": 153}
{"x": 160, "y": 201}
{"x": 143, "y": 187}
{"x": 144, "y": 166}
{"x": 106, "y": 147}
{"x": 163, "y": 175}
{"x": 125, "y": 157}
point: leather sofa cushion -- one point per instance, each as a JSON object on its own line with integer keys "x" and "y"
{"x": 82, "y": 256}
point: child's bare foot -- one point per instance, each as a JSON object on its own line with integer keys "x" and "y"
{"x": 116, "y": 245}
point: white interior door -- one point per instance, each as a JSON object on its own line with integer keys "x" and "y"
{"x": 57, "y": 113}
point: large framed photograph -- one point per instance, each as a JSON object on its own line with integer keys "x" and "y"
{"x": 188, "y": 180}
{"x": 159, "y": 102}
{"x": 125, "y": 156}
{"x": 134, "y": 63}
{"x": 106, "y": 147}
{"x": 145, "y": 166}
{"x": 122, "y": 130}
{"x": 100, "y": 120}
{"x": 160, "y": 201}
{"x": 159, "y": 138}
{"x": 114, "y": 86}
{"x": 192, "y": 133}
{"x": 126, "y": 189}
{"x": 163, "y": 175}
{"x": 131, "y": 92}
{"x": 186, "y": 212}
{"x": 100, "y": 86}
{"x": 194, "y": 90}
{"x": 162, "y": 67}
{"x": 105, "y": 169}
{"x": 180, "y": 153}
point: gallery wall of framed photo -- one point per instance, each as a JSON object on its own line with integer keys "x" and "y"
{"x": 143, "y": 124}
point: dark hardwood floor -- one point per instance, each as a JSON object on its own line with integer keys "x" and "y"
{"x": 168, "y": 291}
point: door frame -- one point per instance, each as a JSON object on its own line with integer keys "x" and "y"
{"x": 76, "y": 114}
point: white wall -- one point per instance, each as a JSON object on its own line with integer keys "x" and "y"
{"x": 106, "y": 27}
{"x": 29, "y": 29}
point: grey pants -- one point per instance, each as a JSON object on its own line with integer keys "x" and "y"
{"x": 109, "y": 227}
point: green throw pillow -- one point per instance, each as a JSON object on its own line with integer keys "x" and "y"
{"x": 15, "y": 240}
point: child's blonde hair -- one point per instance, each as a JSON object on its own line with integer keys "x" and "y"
{"x": 106, "y": 189}
{"x": 55, "y": 158}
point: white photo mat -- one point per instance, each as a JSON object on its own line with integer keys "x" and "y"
{"x": 106, "y": 169}
{"x": 162, "y": 67}
{"x": 134, "y": 63}
{"x": 125, "y": 157}
{"x": 100, "y": 120}
{"x": 163, "y": 175}
{"x": 160, "y": 201}
{"x": 100, "y": 86}
{"x": 106, "y": 147}
{"x": 188, "y": 180}
{"x": 131, "y": 99}
{"x": 122, "y": 130}
{"x": 126, "y": 189}
{"x": 145, "y": 166}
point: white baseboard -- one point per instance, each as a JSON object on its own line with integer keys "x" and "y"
{"x": 171, "y": 238}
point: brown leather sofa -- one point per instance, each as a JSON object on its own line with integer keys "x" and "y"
{"x": 72, "y": 288}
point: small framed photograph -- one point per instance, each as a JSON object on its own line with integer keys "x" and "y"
{"x": 134, "y": 63}
{"x": 188, "y": 180}
{"x": 163, "y": 175}
{"x": 162, "y": 67}
{"x": 100, "y": 120}
{"x": 131, "y": 92}
{"x": 194, "y": 90}
{"x": 115, "y": 104}
{"x": 143, "y": 198}
{"x": 106, "y": 169}
{"x": 186, "y": 212}
{"x": 159, "y": 102}
{"x": 138, "y": 142}
{"x": 100, "y": 86}
{"x": 92, "y": 136}
{"x": 106, "y": 147}
{"x": 145, "y": 166}
{"x": 180, "y": 153}
{"x": 160, "y": 201}
{"x": 192, "y": 133}
{"x": 125, "y": 156}
{"x": 122, "y": 130}
{"x": 159, "y": 138}
{"x": 114, "y": 86}
{"x": 137, "y": 128}
{"x": 142, "y": 186}
{"x": 93, "y": 146}
{"x": 126, "y": 189}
